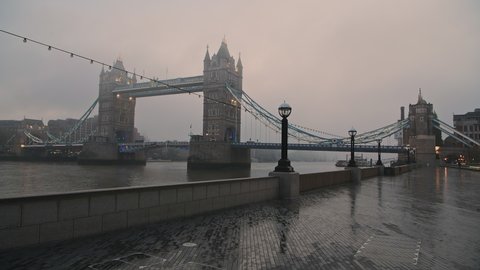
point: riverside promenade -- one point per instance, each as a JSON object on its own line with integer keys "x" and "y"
{"x": 428, "y": 218}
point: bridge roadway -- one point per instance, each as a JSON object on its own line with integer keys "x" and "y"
{"x": 321, "y": 147}
{"x": 424, "y": 219}
{"x": 162, "y": 87}
{"x": 133, "y": 147}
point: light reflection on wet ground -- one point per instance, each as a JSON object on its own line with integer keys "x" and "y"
{"x": 425, "y": 219}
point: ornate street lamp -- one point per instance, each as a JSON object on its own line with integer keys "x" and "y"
{"x": 284, "y": 164}
{"x": 352, "y": 132}
{"x": 379, "y": 161}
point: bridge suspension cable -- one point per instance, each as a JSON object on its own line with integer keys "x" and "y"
{"x": 308, "y": 134}
{"x": 269, "y": 120}
{"x": 103, "y": 64}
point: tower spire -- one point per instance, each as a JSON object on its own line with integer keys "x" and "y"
{"x": 239, "y": 64}
{"x": 420, "y": 97}
{"x": 206, "y": 60}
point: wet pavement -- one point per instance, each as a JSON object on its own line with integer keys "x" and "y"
{"x": 426, "y": 219}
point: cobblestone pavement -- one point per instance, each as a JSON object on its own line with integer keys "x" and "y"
{"x": 425, "y": 219}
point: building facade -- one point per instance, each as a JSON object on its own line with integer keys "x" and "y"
{"x": 468, "y": 124}
{"x": 12, "y": 131}
{"x": 59, "y": 128}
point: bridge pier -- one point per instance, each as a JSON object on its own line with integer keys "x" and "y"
{"x": 213, "y": 155}
{"x": 107, "y": 153}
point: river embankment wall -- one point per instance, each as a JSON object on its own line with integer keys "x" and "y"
{"x": 44, "y": 218}
{"x": 31, "y": 220}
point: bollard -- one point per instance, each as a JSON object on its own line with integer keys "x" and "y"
{"x": 356, "y": 174}
{"x": 288, "y": 184}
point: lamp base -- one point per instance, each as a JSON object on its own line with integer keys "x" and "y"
{"x": 352, "y": 163}
{"x": 284, "y": 166}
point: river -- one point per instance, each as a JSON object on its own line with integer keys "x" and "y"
{"x": 35, "y": 178}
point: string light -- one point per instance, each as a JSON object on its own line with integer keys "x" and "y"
{"x": 50, "y": 47}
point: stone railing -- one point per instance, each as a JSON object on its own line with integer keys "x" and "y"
{"x": 38, "y": 219}
{"x": 313, "y": 181}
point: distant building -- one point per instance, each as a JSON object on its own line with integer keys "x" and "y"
{"x": 60, "y": 127}
{"x": 9, "y": 128}
{"x": 468, "y": 124}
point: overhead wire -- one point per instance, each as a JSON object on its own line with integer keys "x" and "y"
{"x": 258, "y": 115}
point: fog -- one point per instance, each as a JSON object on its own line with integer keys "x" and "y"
{"x": 337, "y": 63}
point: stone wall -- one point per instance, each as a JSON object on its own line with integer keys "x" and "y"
{"x": 313, "y": 181}
{"x": 38, "y": 219}
{"x": 370, "y": 172}
{"x": 397, "y": 170}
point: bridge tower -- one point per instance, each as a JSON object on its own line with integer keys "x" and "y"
{"x": 421, "y": 135}
{"x": 221, "y": 114}
{"x": 221, "y": 120}
{"x": 116, "y": 115}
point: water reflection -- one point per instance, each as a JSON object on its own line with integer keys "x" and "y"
{"x": 288, "y": 214}
{"x": 379, "y": 191}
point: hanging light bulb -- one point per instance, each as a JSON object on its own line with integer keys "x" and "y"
{"x": 110, "y": 67}
{"x": 71, "y": 55}
{"x": 24, "y": 40}
{"x": 49, "y": 48}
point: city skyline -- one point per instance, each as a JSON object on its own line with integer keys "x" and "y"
{"x": 338, "y": 65}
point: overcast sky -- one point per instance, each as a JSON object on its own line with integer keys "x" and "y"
{"x": 337, "y": 63}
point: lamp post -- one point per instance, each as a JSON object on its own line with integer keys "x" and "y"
{"x": 284, "y": 164}
{"x": 408, "y": 153}
{"x": 379, "y": 161}
{"x": 236, "y": 138}
{"x": 352, "y": 132}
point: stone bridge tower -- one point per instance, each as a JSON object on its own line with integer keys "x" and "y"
{"x": 221, "y": 115}
{"x": 221, "y": 120}
{"x": 421, "y": 134}
{"x": 116, "y": 113}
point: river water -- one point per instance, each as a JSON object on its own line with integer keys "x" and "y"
{"x": 34, "y": 178}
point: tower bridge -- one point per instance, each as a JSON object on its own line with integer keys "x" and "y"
{"x": 224, "y": 99}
